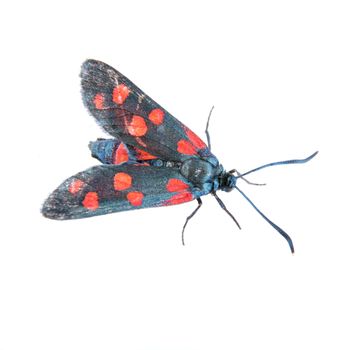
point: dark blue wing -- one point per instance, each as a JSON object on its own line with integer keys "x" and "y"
{"x": 111, "y": 188}
{"x": 128, "y": 114}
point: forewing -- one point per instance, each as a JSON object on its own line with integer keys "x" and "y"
{"x": 111, "y": 188}
{"x": 128, "y": 114}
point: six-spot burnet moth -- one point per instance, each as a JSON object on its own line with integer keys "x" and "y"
{"x": 153, "y": 160}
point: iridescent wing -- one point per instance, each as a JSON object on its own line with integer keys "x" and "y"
{"x": 129, "y": 115}
{"x": 106, "y": 189}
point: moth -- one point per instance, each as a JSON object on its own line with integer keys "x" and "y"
{"x": 153, "y": 160}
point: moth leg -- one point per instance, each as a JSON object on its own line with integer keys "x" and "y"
{"x": 188, "y": 219}
{"x": 207, "y": 129}
{"x": 222, "y": 205}
{"x": 233, "y": 171}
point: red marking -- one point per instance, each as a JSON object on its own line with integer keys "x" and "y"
{"x": 135, "y": 198}
{"x": 141, "y": 164}
{"x": 140, "y": 142}
{"x": 143, "y": 155}
{"x": 75, "y": 186}
{"x": 91, "y": 201}
{"x": 137, "y": 126}
{"x": 186, "y": 147}
{"x": 179, "y": 198}
{"x": 98, "y": 101}
{"x": 176, "y": 185}
{"x": 122, "y": 181}
{"x": 120, "y": 94}
{"x": 197, "y": 142}
{"x": 156, "y": 116}
{"x": 121, "y": 154}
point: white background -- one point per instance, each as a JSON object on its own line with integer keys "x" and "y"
{"x": 278, "y": 74}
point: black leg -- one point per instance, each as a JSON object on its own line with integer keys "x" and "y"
{"x": 188, "y": 219}
{"x": 207, "y": 129}
{"x": 222, "y": 205}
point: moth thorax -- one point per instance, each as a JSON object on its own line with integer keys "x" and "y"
{"x": 197, "y": 171}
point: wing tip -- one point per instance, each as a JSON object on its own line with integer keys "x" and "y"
{"x": 57, "y": 207}
{"x": 50, "y": 211}
{"x": 96, "y": 77}
{"x": 90, "y": 65}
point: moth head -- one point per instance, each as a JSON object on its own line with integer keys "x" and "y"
{"x": 228, "y": 181}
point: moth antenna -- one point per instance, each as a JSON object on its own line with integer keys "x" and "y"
{"x": 233, "y": 171}
{"x": 292, "y": 161}
{"x": 277, "y": 228}
{"x": 207, "y": 128}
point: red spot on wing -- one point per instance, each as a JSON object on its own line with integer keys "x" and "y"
{"x": 179, "y": 198}
{"x": 122, "y": 181}
{"x": 135, "y": 198}
{"x": 121, "y": 154}
{"x": 176, "y": 185}
{"x": 75, "y": 186}
{"x": 185, "y": 147}
{"x": 91, "y": 201}
{"x": 143, "y": 155}
{"x": 120, "y": 94}
{"x": 98, "y": 101}
{"x": 137, "y": 126}
{"x": 156, "y": 116}
{"x": 196, "y": 141}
